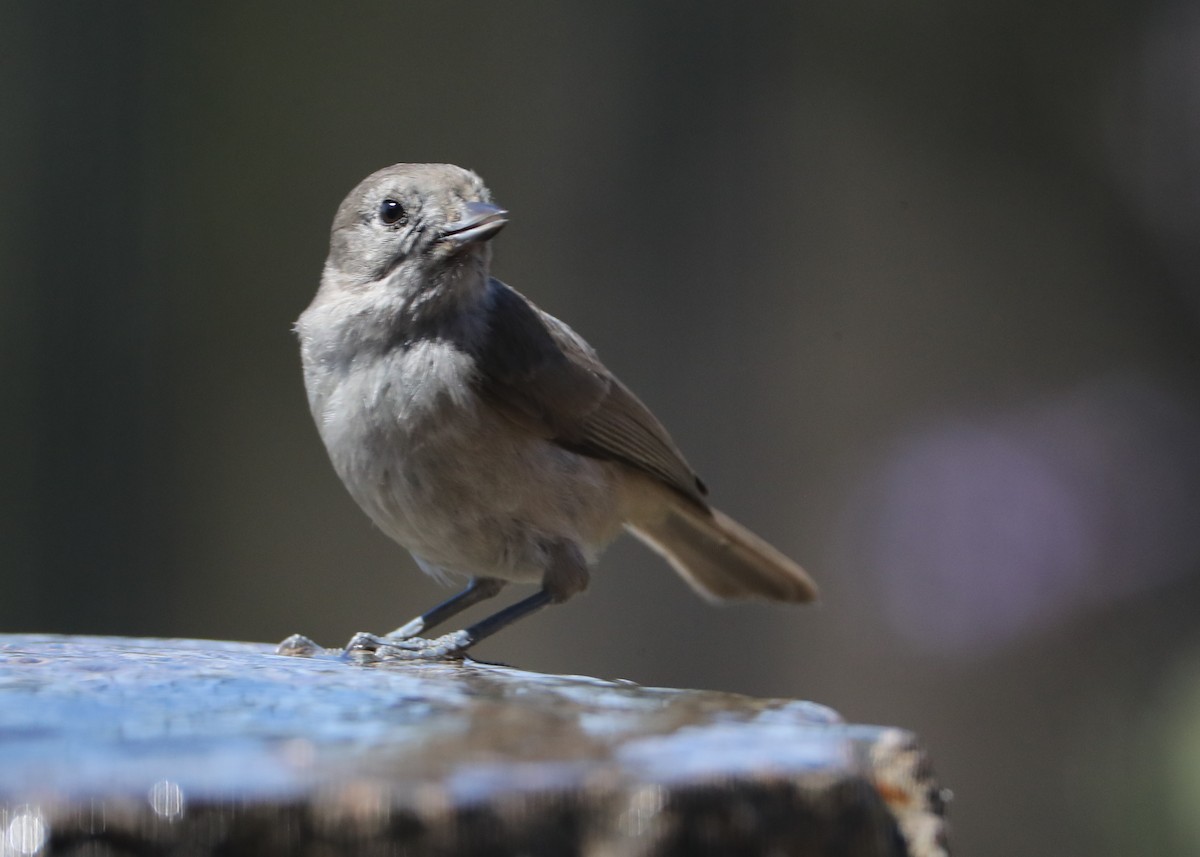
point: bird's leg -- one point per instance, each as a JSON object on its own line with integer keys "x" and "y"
{"x": 566, "y": 576}
{"x": 479, "y": 589}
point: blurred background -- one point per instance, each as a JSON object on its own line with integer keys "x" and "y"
{"x": 915, "y": 286}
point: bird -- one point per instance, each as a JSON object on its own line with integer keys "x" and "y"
{"x": 485, "y": 435}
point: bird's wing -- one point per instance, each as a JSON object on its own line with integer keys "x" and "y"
{"x": 541, "y": 374}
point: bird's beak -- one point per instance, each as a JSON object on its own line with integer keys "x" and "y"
{"x": 480, "y": 221}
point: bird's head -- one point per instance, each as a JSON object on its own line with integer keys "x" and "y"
{"x": 415, "y": 227}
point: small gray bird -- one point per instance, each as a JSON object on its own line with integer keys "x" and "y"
{"x": 485, "y": 435}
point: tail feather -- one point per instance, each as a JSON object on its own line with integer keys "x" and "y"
{"x": 721, "y": 559}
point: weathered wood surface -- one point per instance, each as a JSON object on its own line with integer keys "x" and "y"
{"x": 113, "y": 746}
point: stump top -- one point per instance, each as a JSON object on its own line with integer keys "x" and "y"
{"x": 167, "y": 727}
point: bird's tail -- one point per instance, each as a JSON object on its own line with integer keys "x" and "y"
{"x": 720, "y": 558}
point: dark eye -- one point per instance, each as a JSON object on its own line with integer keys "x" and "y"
{"x": 391, "y": 212}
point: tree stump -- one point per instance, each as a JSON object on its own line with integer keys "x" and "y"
{"x": 112, "y": 746}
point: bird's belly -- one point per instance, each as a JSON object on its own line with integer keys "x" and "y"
{"x": 461, "y": 486}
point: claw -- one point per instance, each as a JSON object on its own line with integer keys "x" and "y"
{"x": 371, "y": 648}
{"x": 365, "y": 642}
{"x": 447, "y": 646}
{"x": 298, "y": 646}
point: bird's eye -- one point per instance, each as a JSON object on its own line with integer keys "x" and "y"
{"x": 391, "y": 212}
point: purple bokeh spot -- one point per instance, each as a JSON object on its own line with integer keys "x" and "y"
{"x": 980, "y": 532}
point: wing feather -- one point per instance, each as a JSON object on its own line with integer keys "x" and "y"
{"x": 543, "y": 375}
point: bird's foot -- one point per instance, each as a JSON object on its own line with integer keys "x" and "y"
{"x": 299, "y": 646}
{"x": 364, "y": 644}
{"x": 371, "y": 648}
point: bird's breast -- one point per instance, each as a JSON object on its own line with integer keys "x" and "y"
{"x": 449, "y": 477}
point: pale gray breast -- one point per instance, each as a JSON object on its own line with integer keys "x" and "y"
{"x": 445, "y": 474}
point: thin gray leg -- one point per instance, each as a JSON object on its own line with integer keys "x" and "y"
{"x": 479, "y": 589}
{"x": 566, "y": 576}
{"x": 497, "y": 621}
